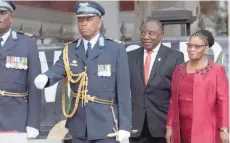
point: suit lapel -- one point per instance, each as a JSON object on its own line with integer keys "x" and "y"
{"x": 158, "y": 61}
{"x": 140, "y": 63}
{"x": 96, "y": 51}
{"x": 10, "y": 43}
{"x": 80, "y": 51}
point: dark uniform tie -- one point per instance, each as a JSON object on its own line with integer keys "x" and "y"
{"x": 89, "y": 49}
{"x": 1, "y": 42}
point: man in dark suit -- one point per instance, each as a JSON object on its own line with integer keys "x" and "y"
{"x": 151, "y": 68}
{"x": 20, "y": 100}
{"x": 97, "y": 69}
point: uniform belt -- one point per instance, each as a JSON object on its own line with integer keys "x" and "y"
{"x": 94, "y": 99}
{"x": 12, "y": 94}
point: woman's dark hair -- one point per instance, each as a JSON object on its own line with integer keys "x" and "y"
{"x": 206, "y": 36}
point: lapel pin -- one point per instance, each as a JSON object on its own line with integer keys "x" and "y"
{"x": 159, "y": 59}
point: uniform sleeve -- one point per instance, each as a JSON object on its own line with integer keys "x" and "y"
{"x": 123, "y": 91}
{"x": 34, "y": 94}
{"x": 222, "y": 98}
{"x": 57, "y": 72}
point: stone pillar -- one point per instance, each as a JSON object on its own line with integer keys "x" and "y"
{"x": 111, "y": 18}
{"x": 194, "y": 6}
{"x": 143, "y": 9}
{"x": 175, "y": 30}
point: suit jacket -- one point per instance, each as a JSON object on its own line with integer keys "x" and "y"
{"x": 153, "y": 99}
{"x": 17, "y": 113}
{"x": 98, "y": 118}
{"x": 210, "y": 103}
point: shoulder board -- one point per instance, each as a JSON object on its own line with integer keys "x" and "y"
{"x": 27, "y": 34}
{"x": 71, "y": 42}
{"x": 115, "y": 40}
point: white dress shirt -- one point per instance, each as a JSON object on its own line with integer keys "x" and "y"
{"x": 153, "y": 56}
{"x": 93, "y": 41}
{"x": 5, "y": 37}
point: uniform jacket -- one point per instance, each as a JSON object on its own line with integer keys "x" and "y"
{"x": 17, "y": 113}
{"x": 210, "y": 103}
{"x": 152, "y": 100}
{"x": 94, "y": 121}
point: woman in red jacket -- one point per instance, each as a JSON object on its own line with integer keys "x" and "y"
{"x": 198, "y": 111}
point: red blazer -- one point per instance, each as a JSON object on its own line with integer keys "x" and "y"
{"x": 210, "y": 103}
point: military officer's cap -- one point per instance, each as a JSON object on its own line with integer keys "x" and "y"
{"x": 7, "y": 5}
{"x": 89, "y": 8}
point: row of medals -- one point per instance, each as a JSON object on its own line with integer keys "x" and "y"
{"x": 16, "y": 62}
{"x": 104, "y": 70}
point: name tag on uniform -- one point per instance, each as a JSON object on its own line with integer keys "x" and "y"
{"x": 16, "y": 62}
{"x": 104, "y": 70}
{"x": 74, "y": 63}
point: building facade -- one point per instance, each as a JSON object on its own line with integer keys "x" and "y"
{"x": 55, "y": 21}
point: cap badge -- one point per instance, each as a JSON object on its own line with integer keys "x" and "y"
{"x": 84, "y": 4}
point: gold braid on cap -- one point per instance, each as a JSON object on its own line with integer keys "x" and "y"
{"x": 200, "y": 35}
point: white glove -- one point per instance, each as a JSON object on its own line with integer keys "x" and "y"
{"x": 31, "y": 132}
{"x": 40, "y": 81}
{"x": 123, "y": 135}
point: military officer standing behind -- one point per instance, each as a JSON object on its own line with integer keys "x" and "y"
{"x": 97, "y": 69}
{"x": 20, "y": 100}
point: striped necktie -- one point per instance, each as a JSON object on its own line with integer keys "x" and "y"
{"x": 147, "y": 66}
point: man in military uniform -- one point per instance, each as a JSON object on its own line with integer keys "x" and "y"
{"x": 97, "y": 69}
{"x": 20, "y": 100}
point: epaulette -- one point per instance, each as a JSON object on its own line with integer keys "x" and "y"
{"x": 27, "y": 34}
{"x": 115, "y": 40}
{"x": 71, "y": 42}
